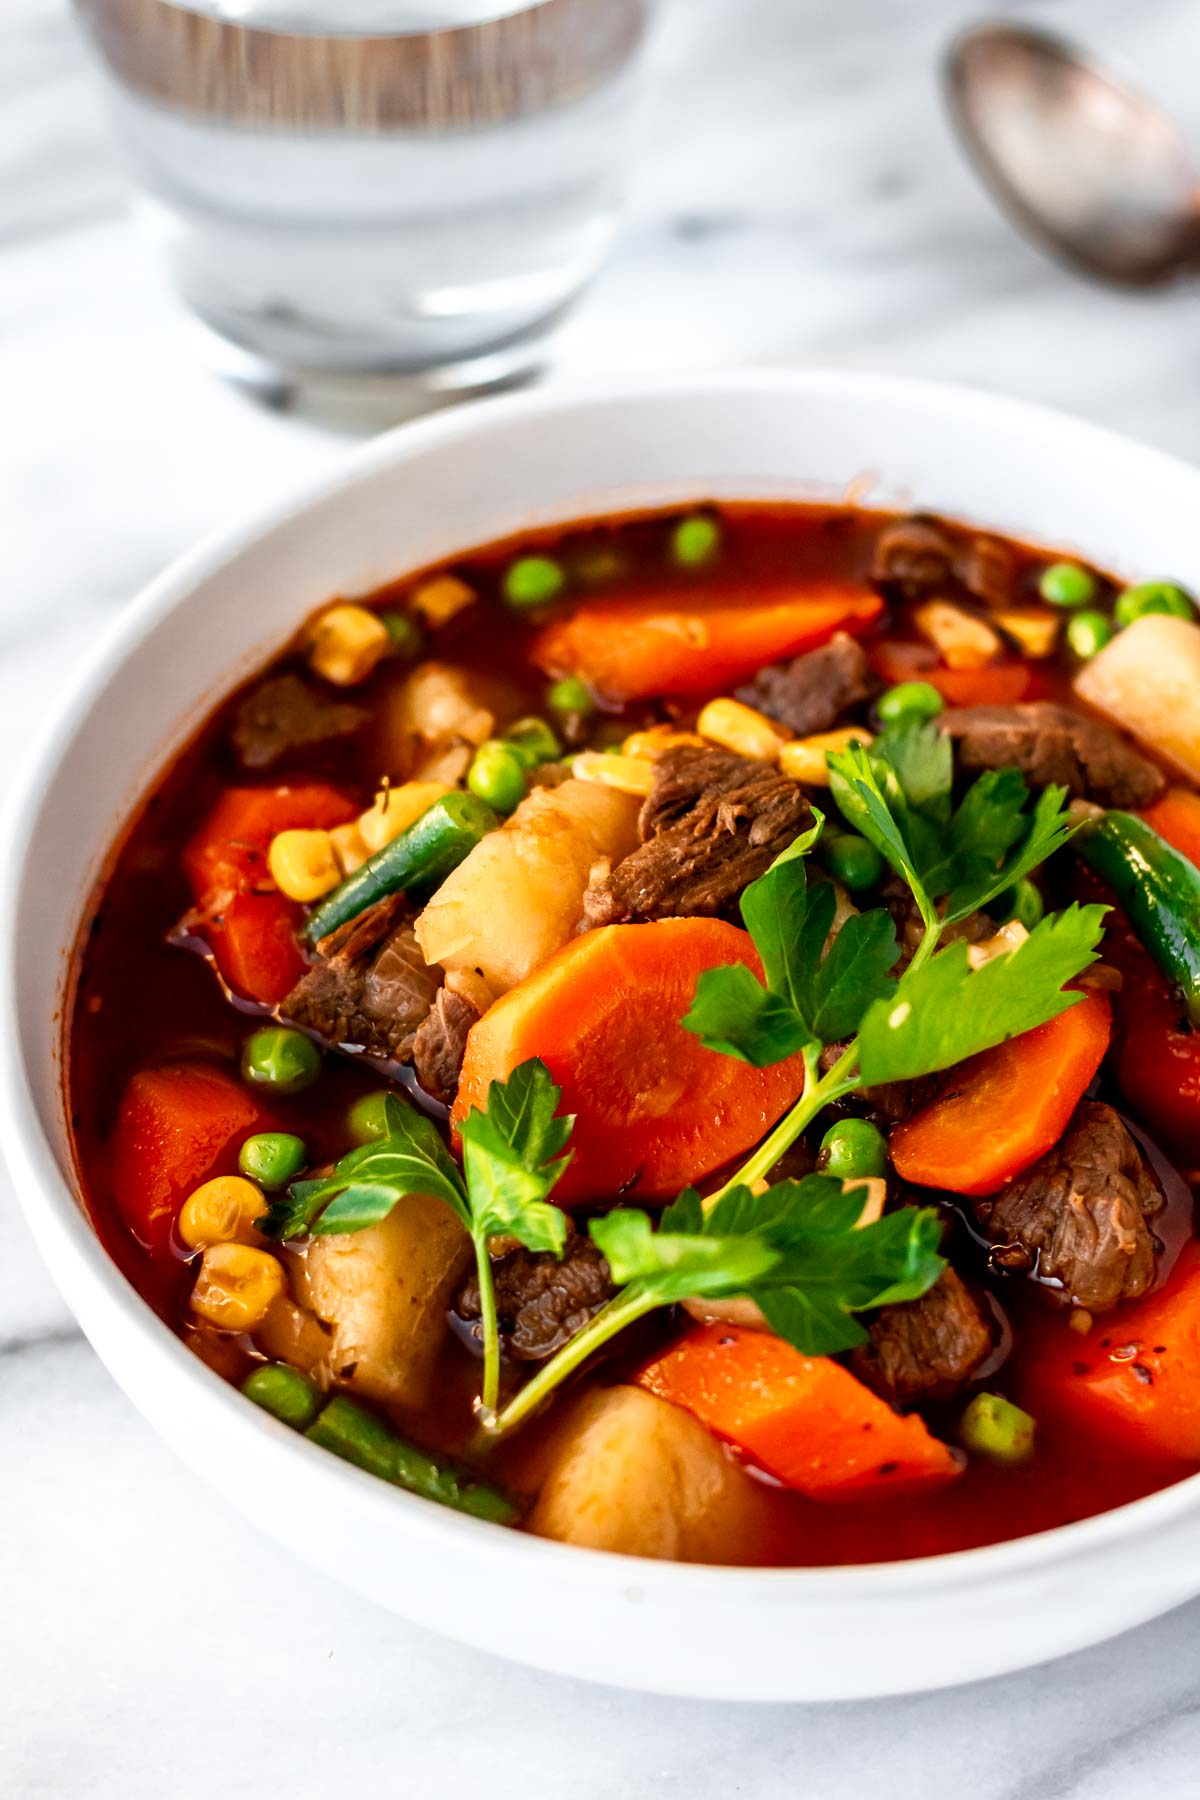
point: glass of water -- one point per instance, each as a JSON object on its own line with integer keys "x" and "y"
{"x": 348, "y": 188}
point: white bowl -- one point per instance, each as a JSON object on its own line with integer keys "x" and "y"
{"x": 422, "y": 493}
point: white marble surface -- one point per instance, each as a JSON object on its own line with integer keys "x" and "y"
{"x": 799, "y": 199}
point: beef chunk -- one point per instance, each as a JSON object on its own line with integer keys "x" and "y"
{"x": 370, "y": 986}
{"x": 922, "y": 559}
{"x": 1052, "y": 744}
{"x": 1078, "y": 1216}
{"x": 812, "y": 692}
{"x": 712, "y": 823}
{"x": 542, "y": 1301}
{"x": 441, "y": 1043}
{"x": 284, "y": 715}
{"x": 926, "y": 1347}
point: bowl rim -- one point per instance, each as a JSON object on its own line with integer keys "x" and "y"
{"x": 73, "y": 1248}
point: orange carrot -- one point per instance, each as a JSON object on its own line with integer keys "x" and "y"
{"x": 804, "y": 1419}
{"x": 1004, "y": 1108}
{"x": 631, "y": 647}
{"x": 1136, "y": 1375}
{"x": 1176, "y": 817}
{"x": 177, "y": 1125}
{"x": 654, "y": 1109}
{"x": 250, "y": 926}
{"x": 996, "y": 684}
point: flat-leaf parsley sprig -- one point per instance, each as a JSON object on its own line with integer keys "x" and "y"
{"x": 940, "y": 1011}
{"x": 513, "y": 1154}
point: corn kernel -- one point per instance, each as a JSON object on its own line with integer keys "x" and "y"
{"x": 221, "y": 1211}
{"x": 302, "y": 864}
{"x": 804, "y": 758}
{"x": 740, "y": 728}
{"x": 236, "y": 1286}
{"x": 346, "y": 644}
{"x": 629, "y": 774}
{"x": 1035, "y": 628}
{"x": 349, "y": 847}
{"x": 658, "y": 738}
{"x": 439, "y": 599}
{"x": 963, "y": 641}
{"x": 397, "y": 808}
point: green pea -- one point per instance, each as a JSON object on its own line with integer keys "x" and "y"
{"x": 278, "y": 1058}
{"x": 497, "y": 775}
{"x": 404, "y": 632}
{"x": 852, "y": 861}
{"x": 852, "y": 1150}
{"x": 910, "y": 703}
{"x": 992, "y": 1426}
{"x": 272, "y": 1158}
{"x": 532, "y": 580}
{"x": 1088, "y": 632}
{"x": 1022, "y": 903}
{"x": 1067, "y": 584}
{"x": 694, "y": 539}
{"x": 367, "y": 1120}
{"x": 1153, "y": 597}
{"x": 533, "y": 741}
{"x": 570, "y": 699}
{"x": 285, "y": 1393}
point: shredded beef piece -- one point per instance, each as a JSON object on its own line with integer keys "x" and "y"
{"x": 892, "y": 1100}
{"x": 370, "y": 986}
{"x": 923, "y": 560}
{"x": 901, "y": 902}
{"x": 1078, "y": 1216}
{"x": 1052, "y": 744}
{"x": 441, "y": 1043}
{"x": 542, "y": 1301}
{"x": 929, "y": 1346}
{"x": 284, "y": 715}
{"x": 712, "y": 823}
{"x": 812, "y": 692}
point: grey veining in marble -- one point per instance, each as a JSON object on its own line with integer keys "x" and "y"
{"x": 798, "y": 199}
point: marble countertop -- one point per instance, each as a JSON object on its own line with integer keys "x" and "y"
{"x": 798, "y": 200}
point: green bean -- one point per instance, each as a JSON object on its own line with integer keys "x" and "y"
{"x": 358, "y": 1436}
{"x": 422, "y": 856}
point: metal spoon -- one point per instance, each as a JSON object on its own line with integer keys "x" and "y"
{"x": 1084, "y": 164}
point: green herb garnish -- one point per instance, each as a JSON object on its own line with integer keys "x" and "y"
{"x": 511, "y": 1161}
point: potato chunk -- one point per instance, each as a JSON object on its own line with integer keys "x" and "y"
{"x": 1148, "y": 680}
{"x": 384, "y": 1294}
{"x": 519, "y": 895}
{"x": 633, "y": 1473}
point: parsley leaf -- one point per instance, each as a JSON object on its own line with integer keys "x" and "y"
{"x": 812, "y": 996}
{"x": 511, "y": 1157}
{"x": 367, "y": 1182}
{"x": 1048, "y": 829}
{"x": 796, "y": 1249}
{"x": 942, "y": 1011}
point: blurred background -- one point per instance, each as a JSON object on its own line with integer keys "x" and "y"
{"x": 781, "y": 183}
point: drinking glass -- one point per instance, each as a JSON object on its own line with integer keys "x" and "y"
{"x": 370, "y": 187}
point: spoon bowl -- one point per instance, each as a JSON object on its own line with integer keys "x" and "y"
{"x": 1081, "y": 162}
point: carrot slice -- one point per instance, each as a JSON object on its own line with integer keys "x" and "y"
{"x": 654, "y": 1110}
{"x": 1158, "y": 1052}
{"x": 177, "y": 1125}
{"x": 633, "y": 647}
{"x": 229, "y": 851}
{"x": 1004, "y": 1108}
{"x": 249, "y": 926}
{"x": 997, "y": 684}
{"x": 804, "y": 1419}
{"x": 1176, "y": 817}
{"x": 1136, "y": 1375}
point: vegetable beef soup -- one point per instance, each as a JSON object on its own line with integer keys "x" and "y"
{"x": 682, "y": 1035}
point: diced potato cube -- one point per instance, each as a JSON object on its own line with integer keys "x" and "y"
{"x": 632, "y": 1473}
{"x": 518, "y": 896}
{"x": 1148, "y": 680}
{"x": 384, "y": 1294}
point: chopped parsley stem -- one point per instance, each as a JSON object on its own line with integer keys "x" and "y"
{"x": 819, "y": 1091}
{"x": 489, "y": 1329}
{"x": 632, "y": 1303}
